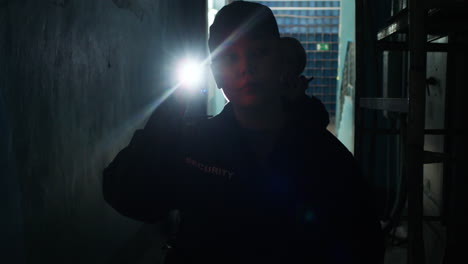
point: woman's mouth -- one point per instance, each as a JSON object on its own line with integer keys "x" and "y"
{"x": 251, "y": 86}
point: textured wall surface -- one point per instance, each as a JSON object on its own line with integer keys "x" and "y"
{"x": 76, "y": 79}
{"x": 345, "y": 108}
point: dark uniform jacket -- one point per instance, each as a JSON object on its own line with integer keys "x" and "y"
{"x": 305, "y": 203}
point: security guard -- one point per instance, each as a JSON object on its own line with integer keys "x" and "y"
{"x": 260, "y": 182}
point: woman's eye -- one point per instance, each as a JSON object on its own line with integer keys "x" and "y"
{"x": 257, "y": 53}
{"x": 225, "y": 59}
{"x": 229, "y": 58}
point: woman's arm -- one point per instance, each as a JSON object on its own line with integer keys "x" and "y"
{"x": 141, "y": 181}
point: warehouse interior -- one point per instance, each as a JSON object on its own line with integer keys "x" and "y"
{"x": 77, "y": 78}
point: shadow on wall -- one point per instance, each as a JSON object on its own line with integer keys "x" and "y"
{"x": 11, "y": 221}
{"x": 140, "y": 8}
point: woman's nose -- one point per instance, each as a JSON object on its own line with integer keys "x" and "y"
{"x": 247, "y": 66}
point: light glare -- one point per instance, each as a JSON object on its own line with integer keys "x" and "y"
{"x": 190, "y": 73}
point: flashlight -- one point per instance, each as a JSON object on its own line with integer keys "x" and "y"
{"x": 190, "y": 73}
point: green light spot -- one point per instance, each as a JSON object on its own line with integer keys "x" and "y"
{"x": 323, "y": 47}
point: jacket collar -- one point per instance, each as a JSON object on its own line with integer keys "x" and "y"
{"x": 308, "y": 113}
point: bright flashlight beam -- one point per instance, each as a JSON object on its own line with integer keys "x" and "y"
{"x": 190, "y": 73}
{"x": 130, "y": 125}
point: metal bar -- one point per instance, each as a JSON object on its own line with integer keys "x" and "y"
{"x": 392, "y": 45}
{"x": 431, "y": 47}
{"x": 440, "y": 23}
{"x": 428, "y": 218}
{"x": 389, "y": 104}
{"x": 398, "y": 24}
{"x": 394, "y": 131}
{"x": 391, "y": 30}
{"x": 416, "y": 120}
{"x": 437, "y": 47}
{"x": 434, "y": 157}
{"x": 403, "y": 190}
{"x": 450, "y": 94}
{"x": 436, "y": 131}
{"x": 381, "y": 131}
{"x": 360, "y": 77}
{"x": 403, "y": 46}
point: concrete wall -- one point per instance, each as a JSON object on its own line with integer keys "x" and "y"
{"x": 76, "y": 79}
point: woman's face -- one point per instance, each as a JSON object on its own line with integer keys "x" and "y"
{"x": 248, "y": 70}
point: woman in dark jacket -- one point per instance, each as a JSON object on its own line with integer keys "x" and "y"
{"x": 262, "y": 182}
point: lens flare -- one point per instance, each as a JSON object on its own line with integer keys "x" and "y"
{"x": 190, "y": 73}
